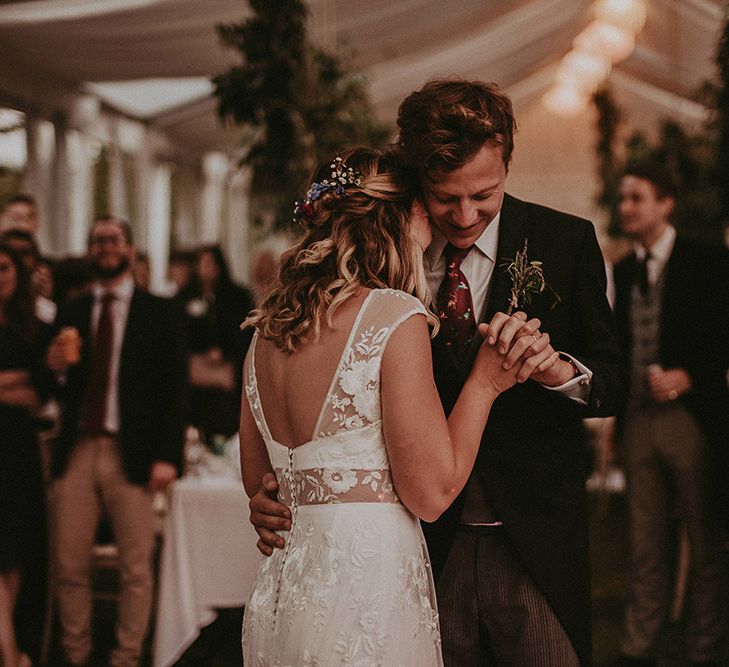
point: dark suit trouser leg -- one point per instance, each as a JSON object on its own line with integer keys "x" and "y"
{"x": 706, "y": 607}
{"x": 491, "y": 612}
{"x": 664, "y": 446}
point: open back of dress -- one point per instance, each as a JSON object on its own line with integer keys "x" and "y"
{"x": 353, "y": 584}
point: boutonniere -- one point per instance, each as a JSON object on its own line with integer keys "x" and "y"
{"x": 527, "y": 279}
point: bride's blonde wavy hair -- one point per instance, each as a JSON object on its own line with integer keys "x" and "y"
{"x": 361, "y": 238}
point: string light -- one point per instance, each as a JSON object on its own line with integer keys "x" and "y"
{"x": 583, "y": 71}
{"x": 606, "y": 40}
{"x": 609, "y": 39}
{"x": 628, "y": 15}
{"x": 565, "y": 100}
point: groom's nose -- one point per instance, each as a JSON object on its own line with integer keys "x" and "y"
{"x": 465, "y": 214}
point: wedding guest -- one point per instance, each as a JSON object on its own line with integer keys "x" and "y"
{"x": 26, "y": 246}
{"x": 121, "y": 439}
{"x": 42, "y": 279}
{"x": 215, "y": 307}
{"x": 512, "y": 551}
{"x": 20, "y": 213}
{"x": 72, "y": 278}
{"x": 672, "y": 308}
{"x": 180, "y": 268}
{"x": 23, "y": 386}
{"x": 140, "y": 270}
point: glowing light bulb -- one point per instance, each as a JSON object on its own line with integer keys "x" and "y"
{"x": 564, "y": 100}
{"x": 605, "y": 40}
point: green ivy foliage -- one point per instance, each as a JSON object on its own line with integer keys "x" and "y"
{"x": 298, "y": 103}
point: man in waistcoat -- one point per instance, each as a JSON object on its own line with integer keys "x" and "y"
{"x": 672, "y": 309}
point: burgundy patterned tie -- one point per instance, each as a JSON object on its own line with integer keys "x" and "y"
{"x": 100, "y": 368}
{"x": 455, "y": 305}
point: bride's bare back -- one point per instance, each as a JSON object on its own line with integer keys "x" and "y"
{"x": 293, "y": 387}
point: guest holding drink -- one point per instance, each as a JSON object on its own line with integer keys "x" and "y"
{"x": 22, "y": 509}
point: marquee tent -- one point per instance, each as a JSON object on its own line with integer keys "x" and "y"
{"x": 133, "y": 76}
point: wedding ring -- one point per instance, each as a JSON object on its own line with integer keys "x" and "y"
{"x": 535, "y": 337}
{"x": 672, "y": 395}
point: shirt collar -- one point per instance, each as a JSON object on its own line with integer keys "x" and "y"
{"x": 123, "y": 291}
{"x": 661, "y": 249}
{"x": 487, "y": 243}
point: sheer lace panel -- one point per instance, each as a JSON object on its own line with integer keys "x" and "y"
{"x": 353, "y": 401}
{"x": 316, "y": 486}
{"x": 251, "y": 389}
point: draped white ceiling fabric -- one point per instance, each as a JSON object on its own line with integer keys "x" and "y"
{"x": 49, "y": 48}
{"x": 145, "y": 67}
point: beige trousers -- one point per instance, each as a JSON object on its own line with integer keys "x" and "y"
{"x": 95, "y": 481}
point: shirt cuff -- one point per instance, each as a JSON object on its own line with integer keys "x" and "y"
{"x": 578, "y": 388}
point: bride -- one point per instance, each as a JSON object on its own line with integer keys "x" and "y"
{"x": 342, "y": 407}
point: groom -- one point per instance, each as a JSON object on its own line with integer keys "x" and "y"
{"x": 511, "y": 554}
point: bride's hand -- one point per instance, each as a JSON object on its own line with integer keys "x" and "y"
{"x": 488, "y": 368}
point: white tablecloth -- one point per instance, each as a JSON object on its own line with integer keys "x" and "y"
{"x": 209, "y": 560}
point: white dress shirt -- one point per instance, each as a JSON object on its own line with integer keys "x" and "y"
{"x": 123, "y": 293}
{"x": 660, "y": 253}
{"x": 478, "y": 268}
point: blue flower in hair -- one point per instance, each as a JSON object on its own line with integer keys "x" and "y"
{"x": 342, "y": 177}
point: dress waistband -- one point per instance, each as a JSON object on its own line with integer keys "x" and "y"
{"x": 321, "y": 486}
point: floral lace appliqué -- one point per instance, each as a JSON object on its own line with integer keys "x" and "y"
{"x": 355, "y": 400}
{"x": 314, "y": 486}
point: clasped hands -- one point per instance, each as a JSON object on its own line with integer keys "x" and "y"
{"x": 520, "y": 341}
{"x": 515, "y": 337}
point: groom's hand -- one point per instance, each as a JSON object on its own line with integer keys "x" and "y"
{"x": 520, "y": 338}
{"x": 269, "y": 515}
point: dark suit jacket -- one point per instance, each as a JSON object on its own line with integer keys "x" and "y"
{"x": 152, "y": 385}
{"x": 694, "y": 335}
{"x": 533, "y": 460}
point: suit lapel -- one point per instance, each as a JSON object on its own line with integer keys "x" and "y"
{"x": 133, "y": 332}
{"x": 513, "y": 229}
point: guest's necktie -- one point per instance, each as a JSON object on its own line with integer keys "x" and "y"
{"x": 641, "y": 277}
{"x": 455, "y": 305}
{"x": 95, "y": 414}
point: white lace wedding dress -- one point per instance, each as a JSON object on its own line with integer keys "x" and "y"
{"x": 353, "y": 585}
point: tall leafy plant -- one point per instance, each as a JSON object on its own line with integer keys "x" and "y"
{"x": 298, "y": 103}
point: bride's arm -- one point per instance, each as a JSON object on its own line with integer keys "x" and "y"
{"x": 266, "y": 513}
{"x": 254, "y": 461}
{"x": 431, "y": 458}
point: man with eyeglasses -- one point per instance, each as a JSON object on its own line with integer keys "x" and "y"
{"x": 121, "y": 439}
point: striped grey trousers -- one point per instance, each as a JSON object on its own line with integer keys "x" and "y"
{"x": 491, "y": 613}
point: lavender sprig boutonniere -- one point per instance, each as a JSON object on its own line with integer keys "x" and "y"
{"x": 527, "y": 279}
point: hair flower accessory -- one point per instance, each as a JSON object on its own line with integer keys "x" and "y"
{"x": 342, "y": 177}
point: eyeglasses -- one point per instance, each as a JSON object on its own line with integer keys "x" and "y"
{"x": 115, "y": 240}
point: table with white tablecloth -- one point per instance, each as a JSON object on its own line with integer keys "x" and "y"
{"x": 209, "y": 559}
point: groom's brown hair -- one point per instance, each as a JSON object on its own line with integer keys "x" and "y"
{"x": 445, "y": 123}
